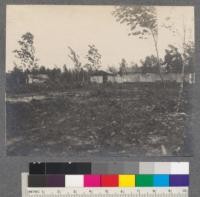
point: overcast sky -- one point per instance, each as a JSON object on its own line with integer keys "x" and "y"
{"x": 56, "y": 27}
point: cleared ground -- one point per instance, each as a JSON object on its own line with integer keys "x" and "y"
{"x": 111, "y": 120}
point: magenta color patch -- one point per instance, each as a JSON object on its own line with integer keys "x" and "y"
{"x": 92, "y": 181}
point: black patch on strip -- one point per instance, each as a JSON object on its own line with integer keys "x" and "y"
{"x": 37, "y": 168}
{"x": 68, "y": 168}
{"x": 55, "y": 168}
{"x": 78, "y": 168}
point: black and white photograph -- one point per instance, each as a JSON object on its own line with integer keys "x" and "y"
{"x": 99, "y": 80}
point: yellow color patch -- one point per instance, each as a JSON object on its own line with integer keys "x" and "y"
{"x": 126, "y": 180}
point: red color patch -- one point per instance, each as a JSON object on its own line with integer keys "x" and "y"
{"x": 109, "y": 181}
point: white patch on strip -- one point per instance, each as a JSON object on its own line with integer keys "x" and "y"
{"x": 74, "y": 181}
{"x": 179, "y": 168}
{"x": 162, "y": 168}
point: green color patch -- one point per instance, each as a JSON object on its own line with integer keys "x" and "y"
{"x": 144, "y": 181}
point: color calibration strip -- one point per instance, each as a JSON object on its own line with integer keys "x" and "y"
{"x": 72, "y": 190}
{"x": 109, "y": 168}
{"x": 126, "y": 174}
{"x": 108, "y": 180}
{"x": 125, "y": 179}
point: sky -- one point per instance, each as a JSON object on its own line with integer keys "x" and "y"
{"x": 55, "y": 27}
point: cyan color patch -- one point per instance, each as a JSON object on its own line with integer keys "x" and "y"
{"x": 161, "y": 180}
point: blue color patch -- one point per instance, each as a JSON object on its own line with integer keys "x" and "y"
{"x": 179, "y": 180}
{"x": 161, "y": 180}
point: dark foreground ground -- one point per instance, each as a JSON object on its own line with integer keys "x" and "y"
{"x": 111, "y": 120}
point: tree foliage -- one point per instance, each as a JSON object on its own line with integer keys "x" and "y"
{"x": 113, "y": 70}
{"x": 94, "y": 59}
{"x": 123, "y": 67}
{"x": 149, "y": 64}
{"x": 141, "y": 19}
{"x": 188, "y": 56}
{"x": 75, "y": 59}
{"x": 26, "y": 53}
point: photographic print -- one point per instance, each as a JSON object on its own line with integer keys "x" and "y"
{"x": 108, "y": 81}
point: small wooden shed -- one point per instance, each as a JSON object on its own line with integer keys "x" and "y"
{"x": 99, "y": 76}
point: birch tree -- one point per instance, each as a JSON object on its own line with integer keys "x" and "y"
{"x": 26, "y": 52}
{"x": 142, "y": 21}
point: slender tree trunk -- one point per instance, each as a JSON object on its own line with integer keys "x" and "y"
{"x": 78, "y": 75}
{"x": 158, "y": 58}
{"x": 182, "y": 76}
{"x": 183, "y": 66}
{"x": 182, "y": 73}
{"x": 83, "y": 76}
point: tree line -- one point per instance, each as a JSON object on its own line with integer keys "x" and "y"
{"x": 28, "y": 63}
{"x": 142, "y": 21}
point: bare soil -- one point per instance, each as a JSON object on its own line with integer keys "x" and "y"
{"x": 104, "y": 120}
